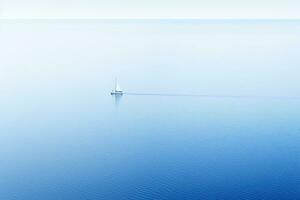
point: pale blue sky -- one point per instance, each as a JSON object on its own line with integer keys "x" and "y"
{"x": 216, "y": 9}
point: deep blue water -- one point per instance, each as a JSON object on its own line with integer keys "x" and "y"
{"x": 63, "y": 136}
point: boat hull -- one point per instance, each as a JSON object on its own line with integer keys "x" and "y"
{"x": 116, "y": 93}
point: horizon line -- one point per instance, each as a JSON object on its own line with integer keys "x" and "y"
{"x": 169, "y": 19}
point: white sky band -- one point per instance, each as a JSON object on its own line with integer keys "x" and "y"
{"x": 203, "y": 9}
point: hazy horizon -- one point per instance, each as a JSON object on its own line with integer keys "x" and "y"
{"x": 201, "y": 9}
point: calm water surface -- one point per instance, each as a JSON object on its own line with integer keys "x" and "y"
{"x": 63, "y": 136}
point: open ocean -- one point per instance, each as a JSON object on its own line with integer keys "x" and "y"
{"x": 233, "y": 135}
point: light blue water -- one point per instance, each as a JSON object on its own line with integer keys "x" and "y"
{"x": 64, "y": 137}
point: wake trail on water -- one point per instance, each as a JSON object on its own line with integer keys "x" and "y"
{"x": 211, "y": 96}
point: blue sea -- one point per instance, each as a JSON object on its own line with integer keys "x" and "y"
{"x": 220, "y": 121}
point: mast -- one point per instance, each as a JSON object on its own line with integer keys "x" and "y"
{"x": 117, "y": 87}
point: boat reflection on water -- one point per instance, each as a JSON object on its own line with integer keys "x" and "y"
{"x": 118, "y": 98}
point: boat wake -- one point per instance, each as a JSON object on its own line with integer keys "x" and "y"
{"x": 211, "y": 96}
{"x": 117, "y": 91}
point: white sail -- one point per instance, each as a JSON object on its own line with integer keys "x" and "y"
{"x": 117, "y": 87}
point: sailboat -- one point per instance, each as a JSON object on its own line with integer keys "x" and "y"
{"x": 117, "y": 90}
